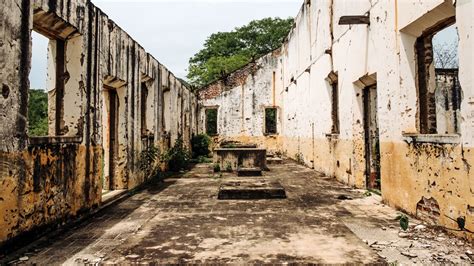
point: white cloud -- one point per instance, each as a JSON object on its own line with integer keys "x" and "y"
{"x": 174, "y": 30}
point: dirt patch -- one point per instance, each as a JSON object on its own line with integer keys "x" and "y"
{"x": 182, "y": 221}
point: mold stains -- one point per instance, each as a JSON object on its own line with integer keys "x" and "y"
{"x": 52, "y": 5}
{"x": 431, "y": 150}
{"x": 470, "y": 210}
{"x": 54, "y": 165}
{"x": 24, "y": 66}
{"x": 430, "y": 164}
{"x": 5, "y": 91}
{"x": 467, "y": 165}
{"x": 427, "y": 209}
{"x": 51, "y": 179}
{"x": 37, "y": 172}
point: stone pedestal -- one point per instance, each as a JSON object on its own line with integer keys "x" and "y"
{"x": 230, "y": 159}
{"x": 251, "y": 189}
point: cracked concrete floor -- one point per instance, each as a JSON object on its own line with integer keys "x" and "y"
{"x": 181, "y": 221}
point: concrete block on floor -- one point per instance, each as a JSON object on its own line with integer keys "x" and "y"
{"x": 249, "y": 171}
{"x": 251, "y": 189}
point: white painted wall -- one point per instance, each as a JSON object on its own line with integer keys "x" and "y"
{"x": 241, "y": 108}
{"x": 382, "y": 53}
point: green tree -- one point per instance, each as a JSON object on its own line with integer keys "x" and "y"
{"x": 225, "y": 52}
{"x": 37, "y": 113}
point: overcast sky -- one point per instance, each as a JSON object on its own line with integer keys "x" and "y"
{"x": 173, "y": 30}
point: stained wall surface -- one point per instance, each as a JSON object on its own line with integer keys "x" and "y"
{"x": 241, "y": 100}
{"x": 47, "y": 180}
{"x": 428, "y": 175}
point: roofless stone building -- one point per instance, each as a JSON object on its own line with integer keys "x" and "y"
{"x": 354, "y": 93}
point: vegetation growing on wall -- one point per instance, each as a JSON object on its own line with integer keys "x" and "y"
{"x": 216, "y": 167}
{"x": 177, "y": 157}
{"x": 147, "y": 161}
{"x": 37, "y": 113}
{"x": 225, "y": 52}
{"x": 200, "y": 145}
{"x": 228, "y": 167}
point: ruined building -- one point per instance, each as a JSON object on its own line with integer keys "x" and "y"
{"x": 357, "y": 96}
{"x": 108, "y": 101}
{"x": 353, "y": 92}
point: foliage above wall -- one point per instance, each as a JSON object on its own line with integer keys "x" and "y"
{"x": 225, "y": 52}
{"x": 37, "y": 113}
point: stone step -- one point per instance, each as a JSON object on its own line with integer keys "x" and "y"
{"x": 274, "y": 160}
{"x": 251, "y": 189}
{"x": 249, "y": 172}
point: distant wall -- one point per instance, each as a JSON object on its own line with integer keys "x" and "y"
{"x": 241, "y": 100}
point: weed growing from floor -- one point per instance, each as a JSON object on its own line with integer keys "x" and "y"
{"x": 177, "y": 158}
{"x": 404, "y": 222}
{"x": 228, "y": 167}
{"x": 200, "y": 146}
{"x": 299, "y": 158}
{"x": 217, "y": 168}
{"x": 147, "y": 160}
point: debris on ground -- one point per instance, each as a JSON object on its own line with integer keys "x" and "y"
{"x": 185, "y": 223}
{"x": 419, "y": 243}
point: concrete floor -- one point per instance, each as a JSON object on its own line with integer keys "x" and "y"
{"x": 181, "y": 221}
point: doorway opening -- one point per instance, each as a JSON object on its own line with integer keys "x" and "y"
{"x": 112, "y": 141}
{"x": 372, "y": 141}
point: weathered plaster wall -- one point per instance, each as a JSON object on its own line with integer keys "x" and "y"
{"x": 47, "y": 180}
{"x": 426, "y": 175}
{"x": 241, "y": 100}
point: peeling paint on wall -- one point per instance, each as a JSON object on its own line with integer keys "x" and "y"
{"x": 413, "y": 166}
{"x": 45, "y": 181}
{"x": 241, "y": 100}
